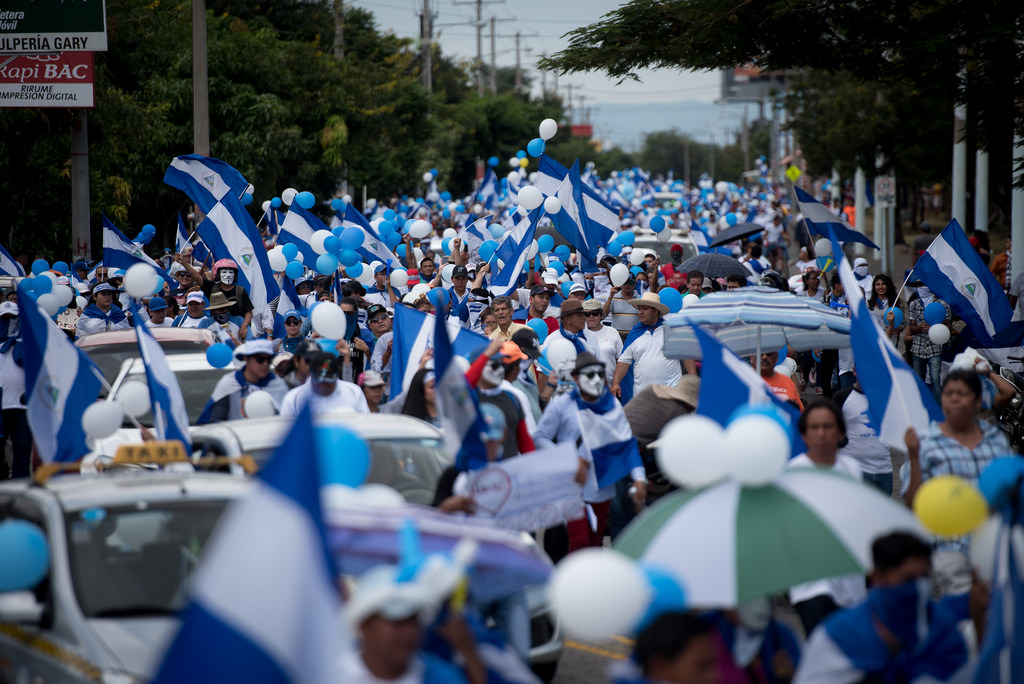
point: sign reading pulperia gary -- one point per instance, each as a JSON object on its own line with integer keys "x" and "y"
{"x": 34, "y": 26}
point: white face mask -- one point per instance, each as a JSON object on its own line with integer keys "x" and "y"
{"x": 591, "y": 380}
{"x": 861, "y": 271}
{"x": 493, "y": 375}
{"x": 227, "y": 276}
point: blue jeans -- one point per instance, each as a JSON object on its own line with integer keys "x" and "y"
{"x": 933, "y": 366}
{"x": 881, "y": 480}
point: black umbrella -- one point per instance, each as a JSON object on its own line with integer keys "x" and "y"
{"x": 714, "y": 266}
{"x": 737, "y": 232}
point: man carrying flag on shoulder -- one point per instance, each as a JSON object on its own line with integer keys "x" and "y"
{"x": 227, "y": 401}
{"x": 102, "y": 315}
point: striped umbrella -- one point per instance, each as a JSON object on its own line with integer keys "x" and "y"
{"x": 754, "y": 318}
{"x": 728, "y": 543}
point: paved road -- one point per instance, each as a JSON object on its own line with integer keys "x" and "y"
{"x": 587, "y": 662}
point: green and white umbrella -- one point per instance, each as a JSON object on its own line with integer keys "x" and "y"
{"x": 729, "y": 543}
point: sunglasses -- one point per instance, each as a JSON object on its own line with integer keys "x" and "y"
{"x": 593, "y": 313}
{"x": 379, "y": 319}
{"x": 591, "y": 373}
{"x": 261, "y": 358}
{"x": 292, "y": 321}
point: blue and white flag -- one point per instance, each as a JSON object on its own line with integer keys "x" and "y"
{"x": 120, "y": 252}
{"x": 289, "y": 300}
{"x": 8, "y": 266}
{"x": 953, "y": 271}
{"x": 550, "y": 175}
{"x": 817, "y": 216}
{"x": 60, "y": 384}
{"x": 280, "y": 623}
{"x": 414, "y": 334}
{"x": 510, "y": 256}
{"x": 199, "y": 252}
{"x": 170, "y": 417}
{"x": 205, "y": 180}
{"x": 457, "y": 405}
{"x": 608, "y": 437}
{"x": 229, "y": 232}
{"x": 474, "y": 234}
{"x": 489, "y": 191}
{"x": 897, "y": 398}
{"x": 728, "y": 382}
{"x": 1001, "y": 660}
{"x": 575, "y": 225}
{"x": 1005, "y": 344}
{"x": 297, "y": 229}
{"x": 373, "y": 247}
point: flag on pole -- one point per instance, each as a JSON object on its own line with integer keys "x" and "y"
{"x": 297, "y": 229}
{"x": 458, "y": 408}
{"x": 8, "y": 266}
{"x": 60, "y": 384}
{"x": 575, "y": 225}
{"x": 817, "y": 216}
{"x": 474, "y": 234}
{"x": 282, "y": 623}
{"x": 489, "y": 190}
{"x": 1001, "y": 660}
{"x": 170, "y": 417}
{"x": 199, "y": 252}
{"x": 205, "y": 180}
{"x": 511, "y": 255}
{"x": 550, "y": 175}
{"x": 413, "y": 334}
{"x": 120, "y": 252}
{"x": 952, "y": 269}
{"x": 229, "y": 232}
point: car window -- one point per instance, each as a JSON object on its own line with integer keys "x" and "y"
{"x": 136, "y": 560}
{"x": 196, "y": 387}
{"x": 109, "y": 357}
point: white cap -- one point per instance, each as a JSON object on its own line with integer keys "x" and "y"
{"x": 550, "y": 275}
{"x": 8, "y": 309}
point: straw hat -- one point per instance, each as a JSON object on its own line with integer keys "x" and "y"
{"x": 650, "y": 299}
{"x": 687, "y": 391}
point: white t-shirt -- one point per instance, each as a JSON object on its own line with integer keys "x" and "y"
{"x": 345, "y": 397}
{"x": 167, "y": 323}
{"x": 354, "y": 671}
{"x": 650, "y": 366}
{"x": 609, "y": 346}
{"x": 864, "y": 447}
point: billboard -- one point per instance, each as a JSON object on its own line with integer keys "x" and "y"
{"x": 749, "y": 83}
{"x": 54, "y": 80}
{"x": 33, "y": 26}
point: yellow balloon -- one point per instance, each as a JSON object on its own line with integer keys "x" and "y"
{"x": 950, "y": 506}
{"x": 523, "y": 163}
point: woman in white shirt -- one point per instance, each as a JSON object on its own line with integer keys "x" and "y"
{"x": 609, "y": 342}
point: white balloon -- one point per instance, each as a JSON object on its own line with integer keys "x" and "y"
{"x": 259, "y": 404}
{"x": 636, "y": 257}
{"x": 420, "y": 229}
{"x": 278, "y": 261}
{"x": 329, "y": 320}
{"x": 580, "y": 596}
{"x": 51, "y": 275}
{"x": 399, "y": 278}
{"x": 446, "y": 272}
{"x": 134, "y": 398}
{"x": 140, "y": 280}
{"x": 450, "y": 233}
{"x": 690, "y": 299}
{"x": 688, "y": 451}
{"x": 82, "y": 302}
{"x": 265, "y": 206}
{"x": 755, "y": 449}
{"x": 513, "y": 162}
{"x": 618, "y": 274}
{"x": 823, "y": 247}
{"x": 513, "y": 178}
{"x": 663, "y": 236}
{"x": 561, "y": 354}
{"x": 433, "y": 197}
{"x": 938, "y": 334}
{"x": 532, "y": 250}
{"x": 63, "y": 293}
{"x": 721, "y": 187}
{"x": 478, "y": 209}
{"x": 316, "y": 241}
{"x": 547, "y": 129}
{"x": 347, "y": 199}
{"x": 365, "y": 276}
{"x": 418, "y": 253}
{"x": 288, "y": 195}
{"x": 420, "y": 289}
{"x": 48, "y": 303}
{"x": 530, "y": 198}
{"x": 102, "y": 419}
{"x": 552, "y": 205}
{"x": 427, "y": 177}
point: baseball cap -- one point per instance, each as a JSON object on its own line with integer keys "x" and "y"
{"x": 291, "y": 313}
{"x": 510, "y": 351}
{"x": 494, "y": 421}
{"x": 254, "y": 347}
{"x": 176, "y": 268}
{"x": 539, "y": 290}
{"x": 676, "y": 248}
{"x": 8, "y": 309}
{"x": 528, "y": 342}
{"x": 374, "y": 309}
{"x": 104, "y": 287}
{"x": 195, "y": 297}
{"x": 550, "y": 276}
{"x": 577, "y": 287}
{"x": 157, "y": 304}
{"x": 460, "y": 271}
{"x": 306, "y": 349}
{"x": 592, "y": 305}
{"x": 370, "y": 378}
{"x": 323, "y": 367}
{"x": 380, "y": 593}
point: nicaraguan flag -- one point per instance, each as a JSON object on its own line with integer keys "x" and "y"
{"x": 8, "y": 266}
{"x": 728, "y": 382}
{"x": 60, "y": 383}
{"x": 297, "y": 229}
{"x": 474, "y": 234}
{"x": 205, "y": 180}
{"x": 199, "y": 252}
{"x": 170, "y": 417}
{"x": 373, "y": 247}
{"x": 265, "y": 605}
{"x": 616, "y": 199}
{"x": 817, "y": 216}
{"x": 120, "y": 252}
{"x": 414, "y": 334}
{"x": 458, "y": 408}
{"x": 229, "y": 232}
{"x": 608, "y": 437}
{"x": 1001, "y": 660}
{"x": 573, "y": 223}
{"x": 490, "y": 190}
{"x": 289, "y": 300}
{"x": 510, "y": 256}
{"x": 1006, "y": 343}
{"x": 952, "y": 269}
{"x": 897, "y": 397}
{"x": 550, "y": 175}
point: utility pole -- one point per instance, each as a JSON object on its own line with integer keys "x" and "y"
{"x": 745, "y": 141}
{"x": 569, "y": 102}
{"x": 80, "y": 247}
{"x": 479, "y": 23}
{"x": 426, "y": 32}
{"x": 544, "y": 83}
{"x": 494, "y": 63}
{"x": 519, "y": 69}
{"x": 339, "y": 29}
{"x": 200, "y": 81}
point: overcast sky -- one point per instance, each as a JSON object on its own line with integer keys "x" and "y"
{"x": 541, "y": 24}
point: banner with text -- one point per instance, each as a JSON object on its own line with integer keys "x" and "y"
{"x": 58, "y": 80}
{"x": 530, "y": 492}
{"x": 34, "y": 26}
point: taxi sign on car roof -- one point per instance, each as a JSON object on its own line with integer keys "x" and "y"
{"x": 172, "y": 451}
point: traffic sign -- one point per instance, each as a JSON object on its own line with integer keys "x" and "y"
{"x": 792, "y": 173}
{"x": 885, "y": 191}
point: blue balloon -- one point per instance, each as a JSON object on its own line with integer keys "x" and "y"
{"x": 290, "y": 251}
{"x": 294, "y": 269}
{"x": 438, "y": 296}
{"x": 349, "y": 257}
{"x": 408, "y": 225}
{"x": 433, "y": 172}
{"x": 246, "y": 199}
{"x": 614, "y": 247}
{"x": 218, "y": 355}
{"x": 539, "y": 327}
{"x": 352, "y": 238}
{"x": 276, "y": 202}
{"x": 497, "y": 230}
{"x": 42, "y": 285}
{"x": 545, "y": 243}
{"x": 392, "y": 239}
{"x": 305, "y": 199}
{"x": 487, "y": 248}
{"x": 657, "y": 223}
{"x": 332, "y": 244}
{"x": 731, "y": 219}
{"x": 61, "y": 267}
{"x": 390, "y": 215}
{"x": 354, "y": 271}
{"x": 627, "y": 237}
{"x": 446, "y": 196}
{"x": 326, "y": 264}
{"x": 1000, "y": 479}
{"x": 535, "y": 147}
{"x": 558, "y": 267}
{"x": 671, "y": 298}
{"x": 493, "y": 161}
{"x": 446, "y": 246}
{"x": 636, "y": 269}
{"x": 446, "y": 214}
{"x": 562, "y": 252}
{"x": 565, "y": 288}
{"x": 336, "y": 231}
{"x": 521, "y": 154}
{"x": 897, "y": 316}
{"x": 667, "y": 595}
{"x": 338, "y": 204}
{"x": 934, "y": 313}
{"x": 149, "y": 229}
{"x": 39, "y": 265}
{"x": 25, "y": 553}
{"x": 385, "y": 227}
{"x": 344, "y": 458}
{"x": 400, "y": 251}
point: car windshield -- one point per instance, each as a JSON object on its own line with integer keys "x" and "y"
{"x": 109, "y": 357}
{"x": 196, "y": 387}
{"x": 136, "y": 560}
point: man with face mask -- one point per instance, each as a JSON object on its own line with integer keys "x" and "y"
{"x": 926, "y": 354}
{"x": 220, "y": 322}
{"x": 863, "y": 275}
{"x": 487, "y": 374}
{"x": 897, "y": 634}
{"x": 12, "y": 381}
{"x": 592, "y": 418}
{"x": 225, "y": 281}
{"x": 324, "y": 390}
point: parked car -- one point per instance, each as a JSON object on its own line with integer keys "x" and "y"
{"x": 109, "y": 350}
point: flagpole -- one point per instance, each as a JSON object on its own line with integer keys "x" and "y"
{"x": 905, "y": 281}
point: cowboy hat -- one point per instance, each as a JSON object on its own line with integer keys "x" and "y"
{"x": 687, "y": 391}
{"x": 650, "y": 299}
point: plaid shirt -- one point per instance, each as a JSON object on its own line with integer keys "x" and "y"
{"x": 942, "y": 455}
{"x": 923, "y": 347}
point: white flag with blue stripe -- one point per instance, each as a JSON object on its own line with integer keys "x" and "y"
{"x": 573, "y": 222}
{"x": 8, "y": 266}
{"x": 953, "y": 271}
{"x": 205, "y": 180}
{"x": 414, "y": 334}
{"x": 60, "y": 384}
{"x": 170, "y": 417}
{"x": 229, "y": 232}
{"x": 509, "y": 258}
{"x": 265, "y": 606}
{"x": 489, "y": 191}
{"x": 120, "y": 252}
{"x": 474, "y": 234}
{"x": 199, "y": 252}
{"x": 550, "y": 175}
{"x": 818, "y": 217}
